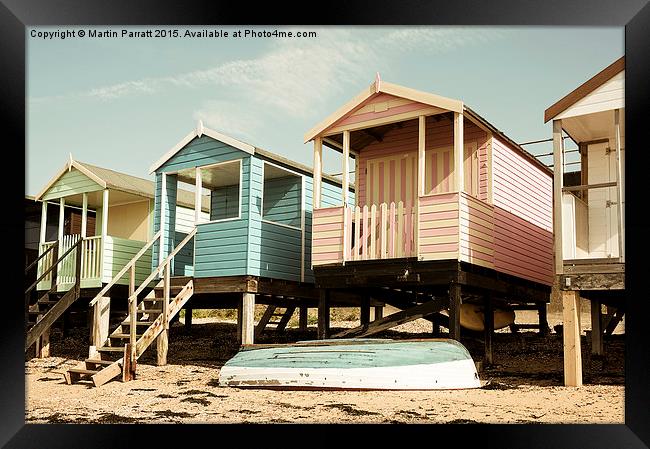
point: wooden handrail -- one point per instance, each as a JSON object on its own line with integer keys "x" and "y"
{"x": 58, "y": 261}
{"x": 163, "y": 263}
{"x": 587, "y": 187}
{"x": 56, "y": 243}
{"x": 122, "y": 272}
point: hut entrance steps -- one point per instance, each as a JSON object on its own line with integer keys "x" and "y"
{"x": 41, "y": 315}
{"x": 148, "y": 320}
{"x": 276, "y": 317}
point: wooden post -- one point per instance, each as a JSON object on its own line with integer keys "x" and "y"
{"x": 318, "y": 171}
{"x": 84, "y": 215}
{"x": 324, "y": 314}
{"x": 43, "y": 224}
{"x": 345, "y": 176}
{"x": 620, "y": 194}
{"x": 302, "y": 318}
{"x": 571, "y": 333}
{"x": 365, "y": 310}
{"x": 379, "y": 312}
{"x": 162, "y": 346}
{"x": 239, "y": 320}
{"x": 459, "y": 139}
{"x": 188, "y": 319}
{"x": 163, "y": 201}
{"x": 104, "y": 227}
{"x": 558, "y": 183}
{"x": 197, "y": 195}
{"x": 542, "y": 313}
{"x": 43, "y": 342}
{"x": 488, "y": 313}
{"x": 596, "y": 328}
{"x": 101, "y": 321}
{"x": 128, "y": 369}
{"x": 248, "y": 318}
{"x": 454, "y": 311}
{"x": 420, "y": 181}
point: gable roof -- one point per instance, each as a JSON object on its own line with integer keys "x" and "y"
{"x": 585, "y": 89}
{"x": 111, "y": 179}
{"x": 377, "y": 87}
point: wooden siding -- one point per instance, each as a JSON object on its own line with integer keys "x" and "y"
{"x": 484, "y": 172}
{"x": 201, "y": 151}
{"x": 609, "y": 96}
{"x": 523, "y": 214}
{"x": 476, "y": 231}
{"x": 327, "y": 244}
{"x": 439, "y": 226}
{"x": 184, "y": 260}
{"x": 281, "y": 200}
{"x": 379, "y": 108}
{"x": 117, "y": 253}
{"x": 72, "y": 182}
{"x": 401, "y": 144}
{"x": 224, "y": 202}
{"x": 185, "y": 219}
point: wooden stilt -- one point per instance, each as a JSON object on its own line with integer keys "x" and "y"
{"x": 488, "y": 313}
{"x": 571, "y": 332}
{"x": 454, "y": 311}
{"x": 596, "y": 328}
{"x": 239, "y": 321}
{"x": 162, "y": 346}
{"x": 302, "y": 319}
{"x": 129, "y": 366}
{"x": 248, "y": 318}
{"x": 101, "y": 321}
{"x": 379, "y": 312}
{"x": 324, "y": 314}
{"x": 543, "y": 320}
{"x": 188, "y": 319}
{"x": 43, "y": 348}
{"x": 365, "y": 310}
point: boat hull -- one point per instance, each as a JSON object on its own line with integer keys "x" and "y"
{"x": 389, "y": 365}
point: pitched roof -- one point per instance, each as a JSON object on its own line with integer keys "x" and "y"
{"x": 115, "y": 180}
{"x": 585, "y": 89}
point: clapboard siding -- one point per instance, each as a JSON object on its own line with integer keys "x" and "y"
{"x": 185, "y": 219}
{"x": 476, "y": 231}
{"x": 224, "y": 202}
{"x": 327, "y": 249}
{"x": 71, "y": 183}
{"x": 202, "y": 151}
{"x": 609, "y": 96}
{"x": 281, "y": 200}
{"x": 439, "y": 224}
{"x": 117, "y": 253}
{"x": 523, "y": 216}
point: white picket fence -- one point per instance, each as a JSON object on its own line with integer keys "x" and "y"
{"x": 91, "y": 260}
{"x": 382, "y": 232}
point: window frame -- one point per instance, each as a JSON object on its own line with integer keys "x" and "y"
{"x": 301, "y": 209}
{"x": 196, "y": 186}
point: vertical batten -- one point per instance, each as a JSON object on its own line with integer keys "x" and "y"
{"x": 84, "y": 215}
{"x": 197, "y": 196}
{"x": 318, "y": 171}
{"x": 459, "y": 170}
{"x": 620, "y": 197}
{"x": 345, "y": 176}
{"x": 43, "y": 222}
{"x": 558, "y": 183}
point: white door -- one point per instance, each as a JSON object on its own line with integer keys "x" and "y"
{"x": 603, "y": 226}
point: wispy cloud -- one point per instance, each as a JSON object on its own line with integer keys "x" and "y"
{"x": 295, "y": 76}
{"x": 229, "y": 118}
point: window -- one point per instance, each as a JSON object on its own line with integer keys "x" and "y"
{"x": 281, "y": 196}
{"x": 222, "y": 184}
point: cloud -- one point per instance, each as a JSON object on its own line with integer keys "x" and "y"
{"x": 227, "y": 118}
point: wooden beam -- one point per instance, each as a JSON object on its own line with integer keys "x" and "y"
{"x": 302, "y": 319}
{"x": 248, "y": 318}
{"x": 318, "y": 171}
{"x": 454, "y": 311}
{"x": 101, "y": 321}
{"x": 488, "y": 313}
{"x": 84, "y": 215}
{"x": 542, "y": 313}
{"x": 50, "y": 317}
{"x": 266, "y": 317}
{"x": 558, "y": 184}
{"x": 345, "y": 175}
{"x": 163, "y": 201}
{"x": 395, "y": 319}
{"x": 459, "y": 169}
{"x": 571, "y": 335}
{"x": 43, "y": 223}
{"x": 365, "y": 310}
{"x": 379, "y": 312}
{"x": 188, "y": 318}
{"x": 324, "y": 314}
{"x": 61, "y": 221}
{"x": 596, "y": 328}
{"x": 162, "y": 346}
{"x": 620, "y": 185}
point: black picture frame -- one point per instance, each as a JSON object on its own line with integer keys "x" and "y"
{"x": 15, "y": 15}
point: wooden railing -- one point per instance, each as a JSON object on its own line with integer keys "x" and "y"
{"x": 383, "y": 232}
{"x": 91, "y": 257}
{"x": 46, "y": 259}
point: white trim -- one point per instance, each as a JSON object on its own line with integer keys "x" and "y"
{"x": 295, "y": 228}
{"x": 43, "y": 222}
{"x": 247, "y": 148}
{"x": 66, "y": 168}
{"x": 84, "y": 215}
{"x": 221, "y": 220}
{"x": 61, "y": 221}
{"x": 163, "y": 195}
{"x": 198, "y": 193}
{"x": 302, "y": 229}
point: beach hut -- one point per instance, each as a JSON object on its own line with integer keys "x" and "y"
{"x": 93, "y": 220}
{"x": 448, "y": 210}
{"x": 590, "y": 209}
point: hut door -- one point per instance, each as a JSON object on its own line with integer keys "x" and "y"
{"x": 392, "y": 179}
{"x": 603, "y": 226}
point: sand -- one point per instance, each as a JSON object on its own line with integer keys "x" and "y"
{"x": 525, "y": 385}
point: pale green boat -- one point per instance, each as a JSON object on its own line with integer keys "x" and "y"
{"x": 354, "y": 364}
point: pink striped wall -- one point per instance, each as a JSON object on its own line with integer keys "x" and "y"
{"x": 523, "y": 214}
{"x": 404, "y": 142}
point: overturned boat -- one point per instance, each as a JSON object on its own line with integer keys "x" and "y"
{"x": 353, "y": 364}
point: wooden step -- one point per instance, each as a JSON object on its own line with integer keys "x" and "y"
{"x": 137, "y": 323}
{"x": 83, "y": 371}
{"x": 44, "y": 302}
{"x": 100, "y": 362}
{"x": 111, "y": 349}
{"x": 123, "y": 336}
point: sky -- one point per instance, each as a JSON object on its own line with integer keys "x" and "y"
{"x": 123, "y": 102}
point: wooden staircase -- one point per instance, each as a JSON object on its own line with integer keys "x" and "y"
{"x": 148, "y": 318}
{"x": 281, "y": 319}
{"x": 107, "y": 362}
{"x": 42, "y": 314}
